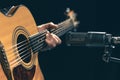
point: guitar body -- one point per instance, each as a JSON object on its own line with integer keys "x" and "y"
{"x": 17, "y": 26}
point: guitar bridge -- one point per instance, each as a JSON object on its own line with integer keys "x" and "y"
{"x": 4, "y": 63}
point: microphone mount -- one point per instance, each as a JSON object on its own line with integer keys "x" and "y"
{"x": 95, "y": 39}
{"x": 107, "y": 54}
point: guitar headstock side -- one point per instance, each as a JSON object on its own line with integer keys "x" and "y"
{"x": 73, "y": 16}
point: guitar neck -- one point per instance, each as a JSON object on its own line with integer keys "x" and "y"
{"x": 63, "y": 27}
{"x": 37, "y": 41}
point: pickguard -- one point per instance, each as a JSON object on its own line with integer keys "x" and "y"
{"x": 20, "y": 73}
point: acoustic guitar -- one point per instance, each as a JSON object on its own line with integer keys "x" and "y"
{"x": 20, "y": 42}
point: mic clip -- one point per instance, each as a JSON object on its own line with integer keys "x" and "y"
{"x": 107, "y": 54}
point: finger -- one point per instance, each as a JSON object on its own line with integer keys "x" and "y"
{"x": 57, "y": 39}
{"x": 48, "y": 35}
{"x": 53, "y": 38}
{"x": 47, "y": 26}
{"x": 50, "y": 43}
{"x": 50, "y": 40}
{"x": 42, "y": 27}
{"x": 52, "y": 25}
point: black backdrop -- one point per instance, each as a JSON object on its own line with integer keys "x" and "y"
{"x": 76, "y": 63}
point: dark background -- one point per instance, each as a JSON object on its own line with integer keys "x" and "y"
{"x": 76, "y": 63}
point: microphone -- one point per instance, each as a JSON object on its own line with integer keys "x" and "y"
{"x": 95, "y": 39}
{"x": 91, "y": 39}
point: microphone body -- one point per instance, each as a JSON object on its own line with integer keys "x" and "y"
{"x": 91, "y": 39}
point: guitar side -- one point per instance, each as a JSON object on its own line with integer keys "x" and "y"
{"x": 2, "y": 75}
{"x": 21, "y": 22}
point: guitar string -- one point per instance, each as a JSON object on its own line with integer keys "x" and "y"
{"x": 15, "y": 49}
{"x": 19, "y": 59}
{"x": 24, "y": 50}
{"x": 32, "y": 44}
{"x": 38, "y": 47}
{"x": 15, "y": 46}
{"x": 28, "y": 48}
{"x": 23, "y": 57}
{"x": 24, "y": 43}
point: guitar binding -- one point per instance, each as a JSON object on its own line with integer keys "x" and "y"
{"x": 4, "y": 62}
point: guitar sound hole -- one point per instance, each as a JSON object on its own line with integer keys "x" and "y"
{"x": 23, "y": 48}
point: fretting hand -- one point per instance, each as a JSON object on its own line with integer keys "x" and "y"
{"x": 51, "y": 39}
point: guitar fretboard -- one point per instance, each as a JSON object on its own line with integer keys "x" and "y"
{"x": 63, "y": 27}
